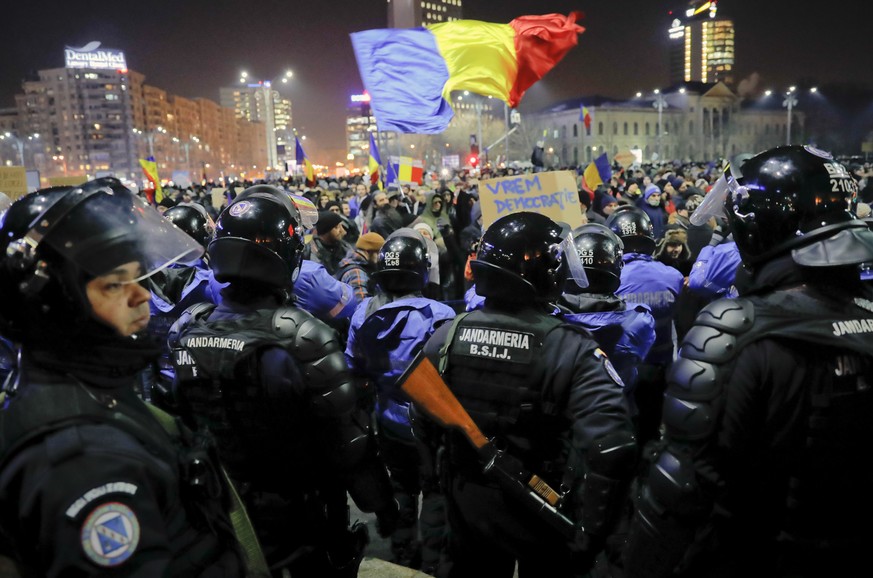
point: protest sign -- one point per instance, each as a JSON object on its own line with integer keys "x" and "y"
{"x": 552, "y": 194}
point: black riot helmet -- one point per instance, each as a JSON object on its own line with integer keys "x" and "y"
{"x": 600, "y": 251}
{"x": 54, "y": 241}
{"x": 404, "y": 263}
{"x": 524, "y": 258}
{"x": 633, "y": 226}
{"x": 792, "y": 198}
{"x": 258, "y": 237}
{"x": 193, "y": 219}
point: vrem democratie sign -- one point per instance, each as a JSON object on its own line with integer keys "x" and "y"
{"x": 89, "y": 56}
{"x": 552, "y": 194}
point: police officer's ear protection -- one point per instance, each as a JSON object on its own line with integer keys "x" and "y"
{"x": 21, "y": 255}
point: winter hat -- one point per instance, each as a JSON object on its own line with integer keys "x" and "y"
{"x": 676, "y": 234}
{"x": 422, "y": 228}
{"x": 370, "y": 241}
{"x": 327, "y": 220}
{"x": 604, "y": 201}
{"x": 693, "y": 202}
{"x": 651, "y": 190}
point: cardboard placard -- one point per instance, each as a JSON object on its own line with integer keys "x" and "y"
{"x": 553, "y": 194}
{"x": 13, "y": 181}
{"x": 67, "y": 181}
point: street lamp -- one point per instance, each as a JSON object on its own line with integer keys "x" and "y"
{"x": 790, "y": 102}
{"x": 17, "y": 142}
{"x": 660, "y": 102}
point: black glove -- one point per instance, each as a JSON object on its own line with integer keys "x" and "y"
{"x": 386, "y": 520}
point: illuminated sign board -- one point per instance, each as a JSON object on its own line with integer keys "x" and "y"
{"x": 89, "y": 56}
{"x": 359, "y": 98}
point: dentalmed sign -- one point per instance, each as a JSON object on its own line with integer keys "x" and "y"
{"x": 552, "y": 194}
{"x": 92, "y": 56}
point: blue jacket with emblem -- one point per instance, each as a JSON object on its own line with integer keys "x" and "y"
{"x": 625, "y": 331}
{"x": 321, "y": 294}
{"x": 646, "y": 281}
{"x": 383, "y": 338}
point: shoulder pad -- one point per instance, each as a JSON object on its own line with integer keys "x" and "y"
{"x": 732, "y": 315}
{"x": 191, "y": 315}
{"x": 288, "y": 320}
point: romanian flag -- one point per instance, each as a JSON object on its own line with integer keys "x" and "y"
{"x": 585, "y": 116}
{"x": 150, "y": 168}
{"x": 406, "y": 169}
{"x": 375, "y": 164}
{"x": 410, "y": 73}
{"x": 302, "y": 161}
{"x": 596, "y": 174}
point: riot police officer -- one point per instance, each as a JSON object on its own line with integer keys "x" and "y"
{"x": 270, "y": 381}
{"x": 625, "y": 331}
{"x": 90, "y": 481}
{"x": 545, "y": 393}
{"x": 173, "y": 290}
{"x": 650, "y": 282}
{"x": 767, "y": 411}
{"x": 387, "y": 331}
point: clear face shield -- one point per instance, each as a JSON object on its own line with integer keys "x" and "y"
{"x": 713, "y": 203}
{"x": 308, "y": 211}
{"x": 567, "y": 252}
{"x": 98, "y": 227}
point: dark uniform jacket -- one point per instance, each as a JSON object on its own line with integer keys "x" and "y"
{"x": 91, "y": 484}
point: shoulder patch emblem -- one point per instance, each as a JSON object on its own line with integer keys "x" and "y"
{"x": 610, "y": 369}
{"x": 110, "y": 534}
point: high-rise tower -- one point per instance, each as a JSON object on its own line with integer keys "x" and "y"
{"x": 701, "y": 44}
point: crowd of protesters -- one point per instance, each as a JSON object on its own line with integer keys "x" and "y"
{"x": 668, "y": 267}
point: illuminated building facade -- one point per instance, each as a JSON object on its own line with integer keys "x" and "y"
{"x": 262, "y": 103}
{"x": 95, "y": 118}
{"x": 414, "y": 13}
{"x": 701, "y": 44}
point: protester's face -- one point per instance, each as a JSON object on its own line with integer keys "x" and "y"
{"x": 420, "y": 197}
{"x": 673, "y": 250}
{"x": 610, "y": 208}
{"x": 347, "y": 210}
{"x": 380, "y": 200}
{"x": 334, "y": 209}
{"x": 323, "y": 199}
{"x": 654, "y": 199}
{"x": 425, "y": 233}
{"x": 337, "y": 233}
{"x": 119, "y": 303}
{"x": 437, "y": 206}
{"x": 361, "y": 190}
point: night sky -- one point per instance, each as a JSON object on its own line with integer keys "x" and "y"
{"x": 192, "y": 47}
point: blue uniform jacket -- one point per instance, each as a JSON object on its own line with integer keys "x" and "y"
{"x": 321, "y": 294}
{"x": 646, "y": 281}
{"x": 383, "y": 348}
{"x": 713, "y": 273}
{"x": 625, "y": 335}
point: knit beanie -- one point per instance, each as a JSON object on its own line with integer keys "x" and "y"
{"x": 370, "y": 241}
{"x": 327, "y": 220}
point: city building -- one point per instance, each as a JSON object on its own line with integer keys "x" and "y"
{"x": 701, "y": 44}
{"x": 359, "y": 124}
{"x": 694, "y": 122}
{"x": 260, "y": 102}
{"x": 95, "y": 117}
{"x": 415, "y": 13}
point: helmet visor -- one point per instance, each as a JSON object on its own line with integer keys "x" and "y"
{"x": 713, "y": 203}
{"x": 308, "y": 211}
{"x": 569, "y": 253}
{"x": 111, "y": 226}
